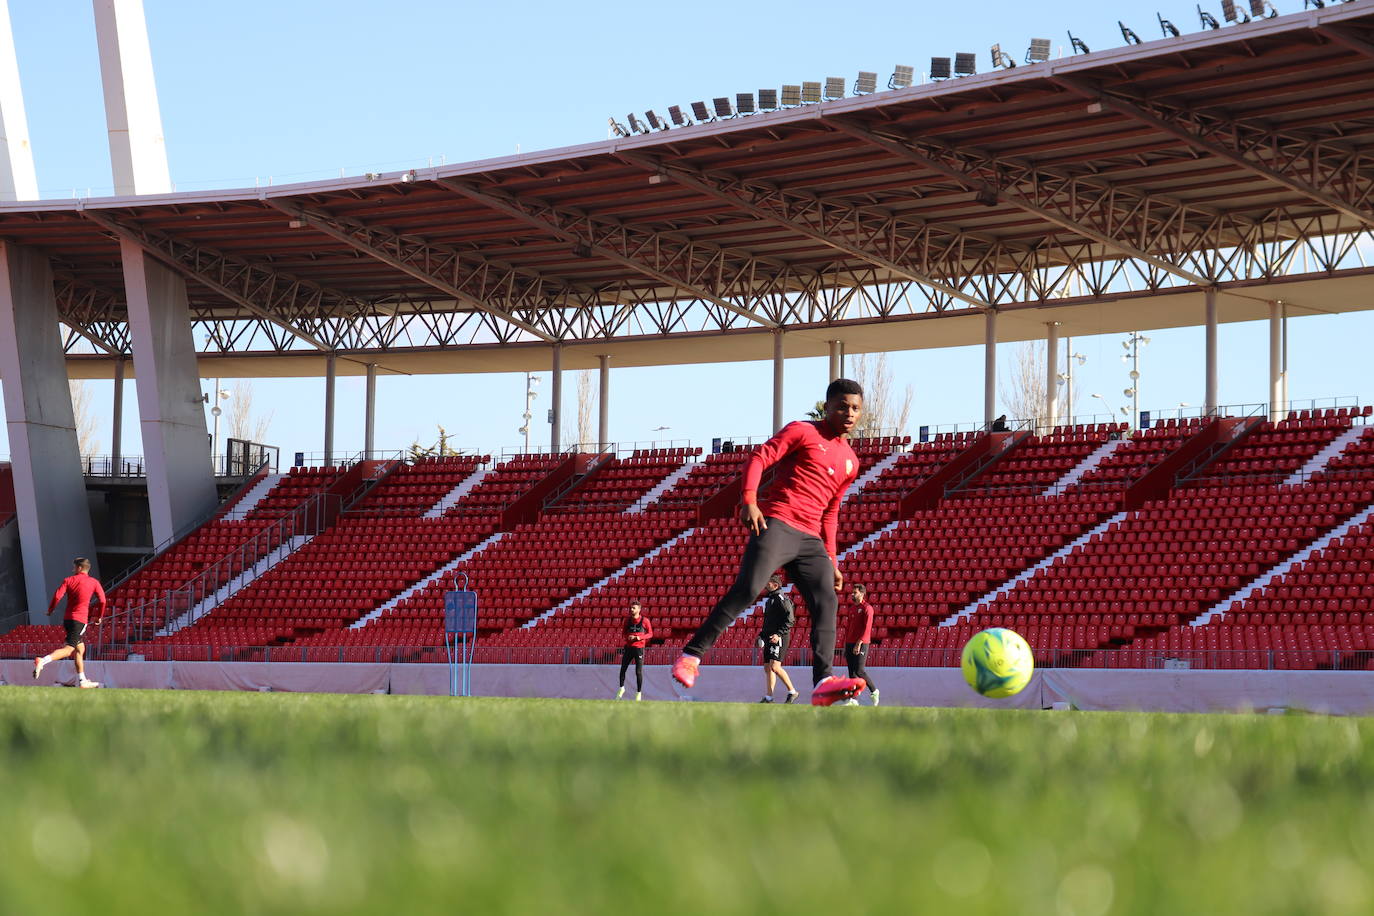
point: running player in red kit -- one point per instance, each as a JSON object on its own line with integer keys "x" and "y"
{"x": 78, "y": 588}
{"x": 793, "y": 526}
{"x": 637, "y": 632}
{"x": 858, "y": 633}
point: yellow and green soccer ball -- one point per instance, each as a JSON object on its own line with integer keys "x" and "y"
{"x": 997, "y": 663}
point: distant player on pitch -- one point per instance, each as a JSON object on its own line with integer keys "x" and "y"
{"x": 858, "y": 633}
{"x": 637, "y": 632}
{"x": 78, "y": 588}
{"x": 778, "y": 617}
{"x": 793, "y": 527}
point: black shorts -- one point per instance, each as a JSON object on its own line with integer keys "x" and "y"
{"x": 75, "y": 630}
{"x": 632, "y": 654}
{"x": 775, "y": 651}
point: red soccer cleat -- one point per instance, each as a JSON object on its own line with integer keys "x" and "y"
{"x": 685, "y": 670}
{"x": 833, "y": 689}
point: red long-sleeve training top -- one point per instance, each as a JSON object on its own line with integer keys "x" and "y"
{"x": 638, "y": 632}
{"x": 78, "y": 588}
{"x": 858, "y": 623}
{"x": 817, "y": 466}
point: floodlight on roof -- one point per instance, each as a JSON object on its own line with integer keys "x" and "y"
{"x": 1128, "y": 33}
{"x": 1078, "y": 46}
{"x": 1038, "y": 51}
{"x": 675, "y": 112}
{"x": 1168, "y": 28}
{"x": 722, "y": 105}
{"x": 834, "y": 87}
{"x": 701, "y": 112}
{"x": 768, "y": 98}
{"x": 940, "y": 68}
{"x": 1001, "y": 58}
{"x": 965, "y": 64}
{"x": 654, "y": 120}
{"x": 617, "y": 128}
{"x": 1232, "y": 13}
{"x": 866, "y": 83}
{"x": 1208, "y": 20}
{"x": 791, "y": 95}
{"x": 1314, "y": 4}
{"x": 744, "y": 102}
{"x": 901, "y": 77}
{"x": 811, "y": 92}
{"x": 1262, "y": 9}
{"x": 636, "y": 125}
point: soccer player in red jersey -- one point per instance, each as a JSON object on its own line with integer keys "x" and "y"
{"x": 858, "y": 633}
{"x": 637, "y": 632}
{"x": 78, "y": 588}
{"x": 793, "y": 526}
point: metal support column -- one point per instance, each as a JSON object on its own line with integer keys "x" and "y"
{"x": 777, "y": 380}
{"x": 1051, "y": 374}
{"x": 836, "y": 361}
{"x": 1210, "y": 397}
{"x": 370, "y": 415}
{"x": 556, "y": 395}
{"x": 603, "y": 404}
{"x": 49, "y": 490}
{"x": 330, "y": 376}
{"x": 1275, "y": 362}
{"x": 989, "y": 367}
{"x": 117, "y": 419}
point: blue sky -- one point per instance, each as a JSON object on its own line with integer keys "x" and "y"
{"x": 288, "y": 91}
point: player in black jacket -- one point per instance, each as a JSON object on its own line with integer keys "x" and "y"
{"x": 778, "y": 617}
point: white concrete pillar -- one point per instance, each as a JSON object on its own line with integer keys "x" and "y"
{"x": 117, "y": 419}
{"x": 777, "y": 380}
{"x": 18, "y": 180}
{"x": 370, "y": 413}
{"x": 176, "y": 444}
{"x": 1051, "y": 374}
{"x": 138, "y": 152}
{"x": 603, "y": 404}
{"x": 989, "y": 366}
{"x": 836, "y": 361}
{"x": 49, "y": 490}
{"x": 556, "y": 395}
{"x": 330, "y": 373}
{"x": 1275, "y": 362}
{"x": 1210, "y": 396}
{"x": 842, "y": 374}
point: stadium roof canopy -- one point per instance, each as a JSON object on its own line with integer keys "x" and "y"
{"x": 1104, "y": 191}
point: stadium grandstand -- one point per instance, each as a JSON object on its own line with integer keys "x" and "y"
{"x": 1203, "y": 178}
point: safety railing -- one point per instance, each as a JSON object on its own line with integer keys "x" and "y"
{"x": 1267, "y": 659}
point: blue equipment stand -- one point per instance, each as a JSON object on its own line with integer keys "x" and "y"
{"x": 460, "y": 638}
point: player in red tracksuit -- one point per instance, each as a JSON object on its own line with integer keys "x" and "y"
{"x": 78, "y": 588}
{"x": 793, "y": 526}
{"x": 637, "y": 632}
{"x": 858, "y": 633}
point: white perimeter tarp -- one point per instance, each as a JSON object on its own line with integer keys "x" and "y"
{"x": 1337, "y": 692}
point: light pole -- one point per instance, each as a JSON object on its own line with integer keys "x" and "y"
{"x": 531, "y": 384}
{"x": 1066, "y": 377}
{"x": 220, "y": 395}
{"x": 1132, "y": 345}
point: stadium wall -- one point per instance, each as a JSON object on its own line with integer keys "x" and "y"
{"x": 1333, "y": 692}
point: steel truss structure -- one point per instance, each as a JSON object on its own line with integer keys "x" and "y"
{"x": 1236, "y": 158}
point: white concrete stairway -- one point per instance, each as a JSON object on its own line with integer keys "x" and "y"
{"x": 233, "y": 586}
{"x": 1319, "y": 461}
{"x": 871, "y": 475}
{"x": 250, "y": 500}
{"x": 1219, "y": 609}
{"x": 611, "y": 578}
{"x": 663, "y": 486}
{"x": 972, "y": 608}
{"x": 1076, "y": 473}
{"x": 450, "y": 499}
{"x": 425, "y": 582}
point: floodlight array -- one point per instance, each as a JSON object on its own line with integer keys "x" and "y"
{"x": 793, "y": 95}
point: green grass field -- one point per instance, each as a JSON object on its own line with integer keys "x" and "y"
{"x": 165, "y": 802}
